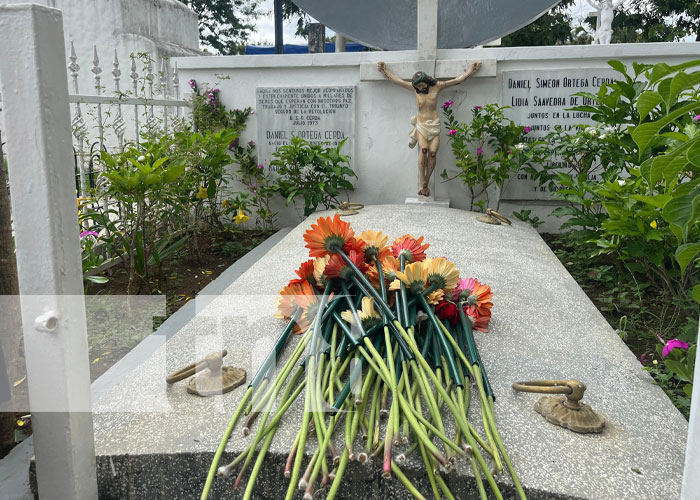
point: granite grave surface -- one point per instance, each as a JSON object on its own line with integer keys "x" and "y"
{"x": 155, "y": 441}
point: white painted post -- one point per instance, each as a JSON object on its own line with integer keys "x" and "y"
{"x": 427, "y": 30}
{"x": 340, "y": 41}
{"x": 691, "y": 475}
{"x": 42, "y": 187}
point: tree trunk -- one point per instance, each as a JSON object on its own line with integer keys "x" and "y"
{"x": 10, "y": 326}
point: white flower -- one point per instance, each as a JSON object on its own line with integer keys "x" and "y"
{"x": 621, "y": 182}
{"x": 591, "y": 131}
{"x": 603, "y": 136}
{"x": 521, "y": 146}
{"x": 142, "y": 158}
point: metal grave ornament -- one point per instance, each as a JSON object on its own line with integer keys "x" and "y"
{"x": 392, "y": 24}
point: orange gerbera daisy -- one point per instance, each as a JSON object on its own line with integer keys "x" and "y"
{"x": 338, "y": 268}
{"x": 327, "y": 236}
{"x": 375, "y": 244}
{"x": 411, "y": 248}
{"x": 389, "y": 267}
{"x": 306, "y": 271}
{"x": 441, "y": 273}
{"x": 297, "y": 294}
{"x": 354, "y": 244}
{"x": 471, "y": 292}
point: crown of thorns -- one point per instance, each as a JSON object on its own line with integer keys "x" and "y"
{"x": 422, "y": 77}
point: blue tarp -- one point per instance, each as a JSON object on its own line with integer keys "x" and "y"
{"x": 302, "y": 49}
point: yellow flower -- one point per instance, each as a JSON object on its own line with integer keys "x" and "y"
{"x": 435, "y": 297}
{"x": 367, "y": 313}
{"x": 375, "y": 244}
{"x": 240, "y": 217}
{"x": 653, "y": 224}
{"x": 413, "y": 277}
{"x": 202, "y": 193}
{"x": 442, "y": 273}
{"x": 225, "y": 204}
{"x": 83, "y": 201}
{"x": 319, "y": 267}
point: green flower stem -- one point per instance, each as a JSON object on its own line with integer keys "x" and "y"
{"x": 322, "y": 452}
{"x": 395, "y": 422}
{"x": 271, "y": 359}
{"x": 334, "y": 361}
{"x": 257, "y": 392}
{"x": 405, "y": 481}
{"x": 386, "y": 466}
{"x": 479, "y": 482}
{"x": 489, "y": 419}
{"x": 444, "y": 346}
{"x": 382, "y": 284}
{"x": 383, "y": 372}
{"x": 445, "y": 490}
{"x": 259, "y": 436}
{"x": 429, "y": 470}
{"x": 455, "y": 411}
{"x": 338, "y": 475}
{"x": 373, "y": 414}
{"x": 300, "y": 449}
{"x": 473, "y": 350}
{"x": 222, "y": 444}
{"x": 402, "y": 292}
{"x": 414, "y": 418}
{"x": 258, "y": 465}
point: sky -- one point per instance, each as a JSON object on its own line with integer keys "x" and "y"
{"x": 266, "y": 29}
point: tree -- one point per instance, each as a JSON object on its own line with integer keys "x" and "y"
{"x": 641, "y": 21}
{"x": 225, "y": 25}
{"x": 686, "y": 14}
{"x": 291, "y": 11}
{"x": 553, "y": 28}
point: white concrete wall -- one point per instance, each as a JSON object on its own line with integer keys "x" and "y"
{"x": 386, "y": 167}
{"x": 160, "y": 27}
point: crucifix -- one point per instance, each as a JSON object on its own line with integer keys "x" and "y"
{"x": 426, "y": 123}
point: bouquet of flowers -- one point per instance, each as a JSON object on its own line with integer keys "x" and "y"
{"x": 408, "y": 321}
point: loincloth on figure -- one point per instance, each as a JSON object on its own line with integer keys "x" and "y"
{"x": 429, "y": 129}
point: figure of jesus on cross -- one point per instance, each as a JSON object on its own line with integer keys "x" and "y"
{"x": 426, "y": 123}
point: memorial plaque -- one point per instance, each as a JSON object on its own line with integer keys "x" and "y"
{"x": 542, "y": 100}
{"x": 317, "y": 114}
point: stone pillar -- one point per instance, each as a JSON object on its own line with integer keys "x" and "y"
{"x": 35, "y": 101}
{"x": 317, "y": 38}
{"x": 340, "y": 42}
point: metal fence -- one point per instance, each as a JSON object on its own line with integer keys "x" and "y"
{"x": 109, "y": 120}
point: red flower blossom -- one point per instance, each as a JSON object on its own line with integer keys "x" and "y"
{"x": 338, "y": 268}
{"x": 410, "y": 247}
{"x": 306, "y": 271}
{"x": 447, "y": 311}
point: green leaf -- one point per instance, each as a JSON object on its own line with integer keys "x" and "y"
{"x": 688, "y": 389}
{"x": 646, "y": 102}
{"x": 618, "y": 66}
{"x": 666, "y": 166}
{"x": 679, "y": 83}
{"x": 211, "y": 189}
{"x": 679, "y": 370}
{"x": 173, "y": 172}
{"x": 694, "y": 154}
{"x": 696, "y": 293}
{"x": 682, "y": 211}
{"x": 686, "y": 253}
{"x": 645, "y": 133}
{"x": 659, "y": 71}
{"x": 97, "y": 279}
